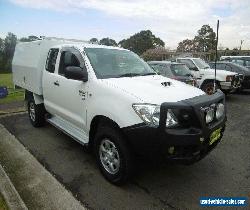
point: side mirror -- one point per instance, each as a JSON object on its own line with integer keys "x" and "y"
{"x": 76, "y": 73}
{"x": 194, "y": 68}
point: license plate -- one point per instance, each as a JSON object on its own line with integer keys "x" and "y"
{"x": 215, "y": 136}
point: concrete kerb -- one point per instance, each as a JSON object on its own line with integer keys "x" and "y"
{"x": 36, "y": 186}
{"x": 11, "y": 196}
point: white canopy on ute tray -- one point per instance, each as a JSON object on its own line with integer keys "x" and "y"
{"x": 29, "y": 62}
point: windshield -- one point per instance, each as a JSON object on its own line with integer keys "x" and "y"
{"x": 113, "y": 63}
{"x": 201, "y": 64}
{"x": 180, "y": 70}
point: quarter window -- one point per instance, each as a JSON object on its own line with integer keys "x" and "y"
{"x": 51, "y": 60}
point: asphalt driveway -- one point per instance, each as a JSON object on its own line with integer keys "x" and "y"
{"x": 156, "y": 185}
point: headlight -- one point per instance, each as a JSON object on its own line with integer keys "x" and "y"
{"x": 220, "y": 109}
{"x": 150, "y": 114}
{"x": 209, "y": 115}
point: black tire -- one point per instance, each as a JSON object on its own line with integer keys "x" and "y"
{"x": 109, "y": 132}
{"x": 36, "y": 113}
{"x": 208, "y": 87}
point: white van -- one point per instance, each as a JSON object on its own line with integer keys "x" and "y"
{"x": 109, "y": 99}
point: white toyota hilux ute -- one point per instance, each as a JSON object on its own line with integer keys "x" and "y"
{"x": 225, "y": 80}
{"x": 110, "y": 100}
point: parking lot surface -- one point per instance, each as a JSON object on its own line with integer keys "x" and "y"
{"x": 156, "y": 185}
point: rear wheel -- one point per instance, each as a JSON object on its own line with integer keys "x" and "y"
{"x": 113, "y": 155}
{"x": 36, "y": 113}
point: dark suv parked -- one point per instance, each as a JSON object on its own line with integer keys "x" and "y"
{"x": 174, "y": 70}
{"x": 241, "y": 70}
{"x": 241, "y": 60}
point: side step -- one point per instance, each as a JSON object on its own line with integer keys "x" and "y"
{"x": 69, "y": 129}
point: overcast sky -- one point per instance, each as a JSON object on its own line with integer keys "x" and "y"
{"x": 171, "y": 20}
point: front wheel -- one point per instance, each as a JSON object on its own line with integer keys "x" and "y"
{"x": 36, "y": 113}
{"x": 113, "y": 156}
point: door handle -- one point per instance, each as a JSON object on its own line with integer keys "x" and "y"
{"x": 56, "y": 83}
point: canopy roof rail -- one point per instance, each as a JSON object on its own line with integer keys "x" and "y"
{"x": 63, "y": 39}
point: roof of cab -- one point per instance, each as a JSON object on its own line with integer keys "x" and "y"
{"x": 87, "y": 45}
{"x": 59, "y": 43}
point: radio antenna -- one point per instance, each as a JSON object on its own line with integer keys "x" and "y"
{"x": 216, "y": 55}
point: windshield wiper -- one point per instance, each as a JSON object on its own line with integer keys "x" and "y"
{"x": 150, "y": 73}
{"x": 129, "y": 75}
{"x": 136, "y": 74}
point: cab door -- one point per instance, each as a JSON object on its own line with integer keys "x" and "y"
{"x": 68, "y": 96}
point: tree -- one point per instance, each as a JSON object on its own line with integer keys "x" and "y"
{"x": 142, "y": 41}
{"x": 187, "y": 45}
{"x": 235, "y": 51}
{"x": 107, "y": 41}
{"x": 9, "y": 49}
{"x": 159, "y": 53}
{"x": 206, "y": 39}
{"x": 1, "y": 45}
{"x": 94, "y": 40}
{"x": 29, "y": 38}
{"x": 1, "y": 53}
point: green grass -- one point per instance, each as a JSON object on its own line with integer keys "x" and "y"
{"x": 6, "y": 80}
{"x": 3, "y": 205}
{"x": 14, "y": 95}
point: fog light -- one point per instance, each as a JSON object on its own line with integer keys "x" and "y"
{"x": 209, "y": 115}
{"x": 220, "y": 109}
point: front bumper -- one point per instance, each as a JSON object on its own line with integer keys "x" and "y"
{"x": 233, "y": 85}
{"x": 189, "y": 142}
{"x": 228, "y": 86}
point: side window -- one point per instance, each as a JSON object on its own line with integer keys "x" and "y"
{"x": 238, "y": 61}
{"x": 51, "y": 60}
{"x": 68, "y": 59}
{"x": 188, "y": 63}
{"x": 220, "y": 66}
{"x": 154, "y": 67}
{"x": 167, "y": 71}
{"x": 247, "y": 62}
{"x": 157, "y": 68}
{"x": 161, "y": 69}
